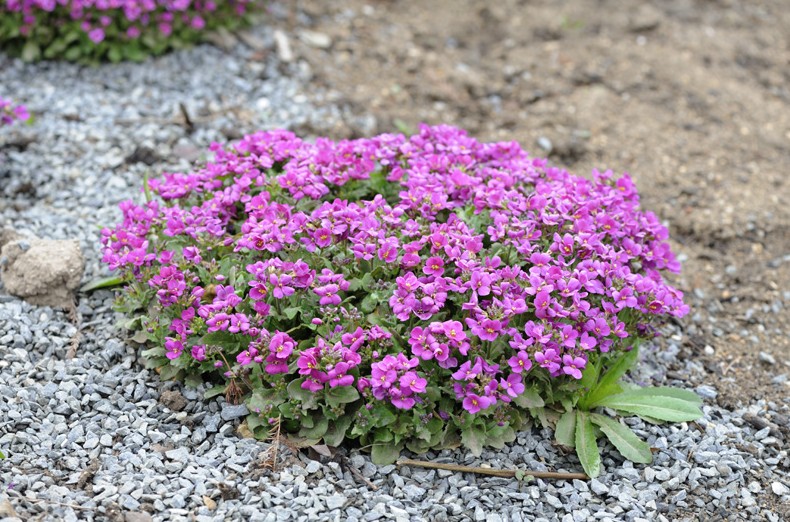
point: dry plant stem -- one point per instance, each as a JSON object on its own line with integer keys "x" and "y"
{"x": 358, "y": 475}
{"x": 23, "y": 498}
{"x": 74, "y": 343}
{"x": 507, "y": 473}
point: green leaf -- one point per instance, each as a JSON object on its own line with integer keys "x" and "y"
{"x": 306, "y": 397}
{"x": 140, "y": 337}
{"x": 213, "y": 392}
{"x": 264, "y": 398}
{"x": 529, "y": 399}
{"x": 655, "y": 403}
{"x": 193, "y": 380}
{"x": 31, "y": 51}
{"x": 384, "y": 453}
{"x": 473, "y": 438}
{"x": 341, "y": 395}
{"x": 254, "y": 422}
{"x": 608, "y": 383}
{"x": 627, "y": 443}
{"x": 382, "y": 415}
{"x": 317, "y": 431}
{"x": 114, "y": 54}
{"x": 169, "y": 372}
{"x": 291, "y": 312}
{"x": 590, "y": 375}
{"x": 499, "y": 436}
{"x": 224, "y": 339}
{"x": 586, "y": 445}
{"x": 566, "y": 429}
{"x": 364, "y": 282}
{"x": 668, "y": 391}
{"x": 337, "y": 430}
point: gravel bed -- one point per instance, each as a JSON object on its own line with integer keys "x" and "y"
{"x": 97, "y": 437}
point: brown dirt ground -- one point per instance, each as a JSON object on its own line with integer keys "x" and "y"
{"x": 691, "y": 97}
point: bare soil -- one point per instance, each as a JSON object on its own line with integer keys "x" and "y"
{"x": 691, "y": 97}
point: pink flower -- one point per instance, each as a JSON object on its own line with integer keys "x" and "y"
{"x": 474, "y": 403}
{"x": 434, "y": 266}
{"x": 520, "y": 362}
{"x": 573, "y": 365}
{"x": 413, "y": 382}
{"x": 513, "y": 385}
{"x": 96, "y": 35}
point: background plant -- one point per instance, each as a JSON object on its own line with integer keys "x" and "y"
{"x": 115, "y": 30}
{"x": 418, "y": 292}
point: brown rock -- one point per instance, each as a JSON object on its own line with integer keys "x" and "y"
{"x": 41, "y": 271}
{"x": 173, "y": 400}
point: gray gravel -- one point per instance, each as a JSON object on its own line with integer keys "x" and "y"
{"x": 97, "y": 437}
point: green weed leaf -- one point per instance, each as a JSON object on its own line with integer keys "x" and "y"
{"x": 383, "y": 453}
{"x": 657, "y": 403}
{"x": 565, "y": 431}
{"x": 627, "y": 443}
{"x": 587, "y": 445}
{"x": 103, "y": 282}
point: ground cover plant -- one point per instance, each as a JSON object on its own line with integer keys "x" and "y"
{"x": 11, "y": 112}
{"x": 115, "y": 30}
{"x": 403, "y": 292}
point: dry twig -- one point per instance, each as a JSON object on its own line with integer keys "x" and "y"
{"x": 24, "y": 498}
{"x": 357, "y": 474}
{"x": 74, "y": 342}
{"x": 506, "y": 473}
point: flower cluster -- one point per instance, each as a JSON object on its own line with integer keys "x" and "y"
{"x": 114, "y": 29}
{"x": 432, "y": 275}
{"x": 393, "y": 379}
{"x": 9, "y": 113}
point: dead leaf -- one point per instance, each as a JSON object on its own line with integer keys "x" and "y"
{"x": 88, "y": 473}
{"x": 322, "y": 449}
{"x": 209, "y": 503}
{"x": 244, "y": 431}
{"x": 228, "y": 492}
{"x": 6, "y": 509}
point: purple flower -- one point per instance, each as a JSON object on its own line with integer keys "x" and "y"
{"x": 474, "y": 403}
{"x": 174, "y": 348}
{"x": 513, "y": 385}
{"x": 434, "y": 266}
{"x": 548, "y": 359}
{"x": 520, "y": 362}
{"x": 413, "y": 382}
{"x": 573, "y": 366}
{"x": 96, "y": 35}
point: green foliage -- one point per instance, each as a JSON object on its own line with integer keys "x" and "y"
{"x": 54, "y": 35}
{"x": 577, "y": 428}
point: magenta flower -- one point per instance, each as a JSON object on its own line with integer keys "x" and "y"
{"x": 548, "y": 359}
{"x": 520, "y": 362}
{"x": 96, "y": 35}
{"x": 434, "y": 266}
{"x": 513, "y": 385}
{"x": 199, "y": 352}
{"x": 413, "y": 382}
{"x": 474, "y": 403}
{"x": 174, "y": 348}
{"x": 573, "y": 366}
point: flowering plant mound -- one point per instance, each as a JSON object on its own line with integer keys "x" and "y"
{"x": 115, "y": 30}
{"x": 418, "y": 292}
{"x": 9, "y": 113}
